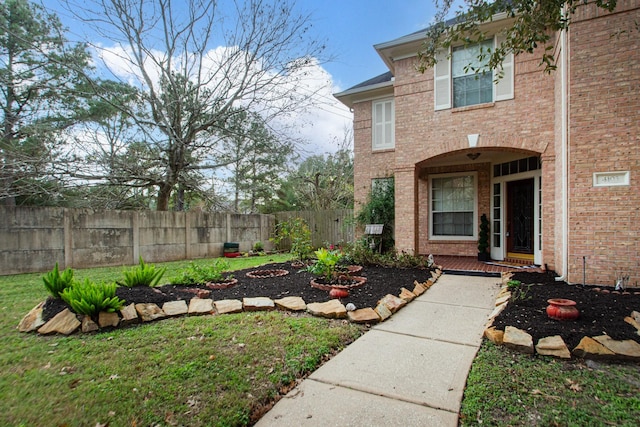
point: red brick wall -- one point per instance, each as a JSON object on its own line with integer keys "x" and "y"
{"x": 605, "y": 136}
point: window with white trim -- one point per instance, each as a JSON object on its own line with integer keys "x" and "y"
{"x": 383, "y": 128}
{"x": 453, "y": 206}
{"x": 456, "y": 84}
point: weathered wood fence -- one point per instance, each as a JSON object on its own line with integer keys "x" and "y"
{"x": 330, "y": 226}
{"x": 33, "y": 239}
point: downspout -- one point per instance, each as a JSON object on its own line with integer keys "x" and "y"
{"x": 564, "y": 155}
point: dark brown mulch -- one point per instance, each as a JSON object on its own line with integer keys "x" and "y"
{"x": 380, "y": 281}
{"x": 600, "y": 313}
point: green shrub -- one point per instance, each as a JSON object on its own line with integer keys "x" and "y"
{"x": 298, "y": 232}
{"x": 91, "y": 298}
{"x": 361, "y": 254}
{"x": 258, "y": 247}
{"x": 380, "y": 209}
{"x": 196, "y": 274}
{"x": 143, "y": 275}
{"x": 327, "y": 264}
{"x": 55, "y": 282}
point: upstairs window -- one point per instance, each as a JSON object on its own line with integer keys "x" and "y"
{"x": 456, "y": 84}
{"x": 383, "y": 127}
{"x": 470, "y": 88}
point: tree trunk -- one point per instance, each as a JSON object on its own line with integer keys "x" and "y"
{"x": 164, "y": 195}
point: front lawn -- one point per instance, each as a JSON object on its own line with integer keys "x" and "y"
{"x": 211, "y": 370}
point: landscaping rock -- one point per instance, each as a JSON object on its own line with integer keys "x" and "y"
{"x": 108, "y": 319}
{"x": 392, "y": 302}
{"x": 419, "y": 288}
{"x": 227, "y": 306}
{"x": 496, "y": 311}
{"x": 364, "y": 315}
{"x": 383, "y": 311}
{"x": 504, "y": 298}
{"x": 258, "y": 304}
{"x": 64, "y": 322}
{"x": 407, "y": 295}
{"x": 633, "y": 322}
{"x": 332, "y": 309}
{"x": 199, "y": 306}
{"x": 625, "y": 349}
{"x": 553, "y": 346}
{"x": 291, "y": 303}
{"x": 175, "y": 308}
{"x": 149, "y": 312}
{"x": 32, "y": 320}
{"x": 88, "y": 325}
{"x": 494, "y": 335}
{"x": 129, "y": 315}
{"x": 588, "y": 348}
{"x": 518, "y": 340}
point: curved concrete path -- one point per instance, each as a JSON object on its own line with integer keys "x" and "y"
{"x": 410, "y": 370}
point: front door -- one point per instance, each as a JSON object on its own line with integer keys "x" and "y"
{"x": 520, "y": 217}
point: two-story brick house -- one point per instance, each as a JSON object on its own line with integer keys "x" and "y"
{"x": 552, "y": 159}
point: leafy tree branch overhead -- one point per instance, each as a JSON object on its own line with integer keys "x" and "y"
{"x": 532, "y": 25}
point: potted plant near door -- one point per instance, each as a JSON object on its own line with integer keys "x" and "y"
{"x": 483, "y": 239}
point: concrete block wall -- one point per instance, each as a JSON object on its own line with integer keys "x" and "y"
{"x": 34, "y": 239}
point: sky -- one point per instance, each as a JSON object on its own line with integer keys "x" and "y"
{"x": 350, "y": 29}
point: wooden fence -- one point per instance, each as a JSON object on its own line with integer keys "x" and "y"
{"x": 327, "y": 227}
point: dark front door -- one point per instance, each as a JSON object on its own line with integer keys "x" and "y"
{"x": 520, "y": 216}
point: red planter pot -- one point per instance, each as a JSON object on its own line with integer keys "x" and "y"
{"x": 562, "y": 309}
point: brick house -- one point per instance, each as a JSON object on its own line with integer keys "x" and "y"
{"x": 553, "y": 160}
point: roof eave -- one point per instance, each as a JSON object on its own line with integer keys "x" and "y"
{"x": 351, "y": 96}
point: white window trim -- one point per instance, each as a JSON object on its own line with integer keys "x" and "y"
{"x": 475, "y": 207}
{"x": 389, "y": 145}
{"x": 443, "y": 80}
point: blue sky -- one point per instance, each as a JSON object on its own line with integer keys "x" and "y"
{"x": 352, "y": 27}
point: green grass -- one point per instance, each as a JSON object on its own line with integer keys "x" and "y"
{"x": 510, "y": 389}
{"x": 196, "y": 371}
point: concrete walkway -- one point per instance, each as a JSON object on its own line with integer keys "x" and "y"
{"x": 410, "y": 370}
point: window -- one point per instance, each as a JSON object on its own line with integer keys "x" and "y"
{"x": 469, "y": 87}
{"x": 453, "y": 206}
{"x": 383, "y": 125}
{"x": 456, "y": 83}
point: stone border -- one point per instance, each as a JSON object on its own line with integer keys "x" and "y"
{"x": 601, "y": 347}
{"x": 66, "y": 322}
{"x": 265, "y": 274}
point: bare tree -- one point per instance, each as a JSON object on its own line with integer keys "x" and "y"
{"x": 196, "y": 64}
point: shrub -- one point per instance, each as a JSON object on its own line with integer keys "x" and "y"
{"x": 298, "y": 232}
{"x": 143, "y": 275}
{"x": 380, "y": 209}
{"x": 55, "y": 282}
{"x": 90, "y": 298}
{"x": 258, "y": 247}
{"x": 360, "y": 253}
{"x": 327, "y": 264}
{"x": 196, "y": 274}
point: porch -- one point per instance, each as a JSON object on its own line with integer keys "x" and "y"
{"x": 471, "y": 266}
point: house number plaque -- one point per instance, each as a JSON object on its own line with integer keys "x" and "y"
{"x": 610, "y": 179}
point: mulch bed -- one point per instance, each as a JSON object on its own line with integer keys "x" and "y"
{"x": 600, "y": 313}
{"x": 380, "y": 281}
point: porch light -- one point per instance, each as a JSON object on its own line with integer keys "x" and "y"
{"x": 473, "y": 156}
